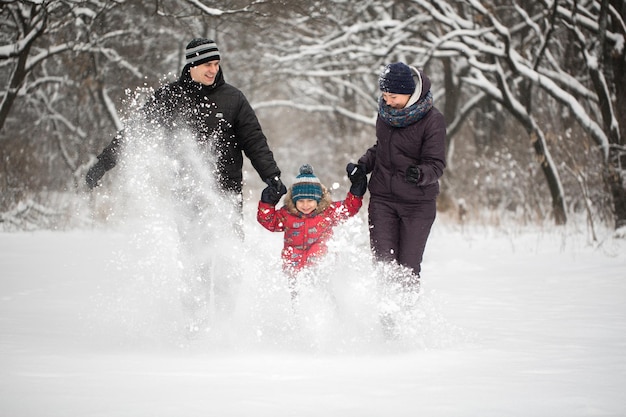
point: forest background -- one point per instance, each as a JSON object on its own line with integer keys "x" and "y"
{"x": 532, "y": 91}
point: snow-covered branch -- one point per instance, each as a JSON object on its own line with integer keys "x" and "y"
{"x": 316, "y": 108}
{"x": 212, "y": 11}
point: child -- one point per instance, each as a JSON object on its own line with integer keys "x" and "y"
{"x": 308, "y": 216}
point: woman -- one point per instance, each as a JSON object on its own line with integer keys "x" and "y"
{"x": 405, "y": 163}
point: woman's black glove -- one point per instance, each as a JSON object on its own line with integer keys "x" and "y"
{"x": 274, "y": 191}
{"x": 413, "y": 174}
{"x": 356, "y": 174}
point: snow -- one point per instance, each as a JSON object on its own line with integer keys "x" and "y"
{"x": 527, "y": 323}
{"x": 619, "y": 45}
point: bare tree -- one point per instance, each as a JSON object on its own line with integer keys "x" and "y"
{"x": 41, "y": 46}
{"x": 71, "y": 69}
{"x": 527, "y": 56}
{"x": 515, "y": 52}
{"x": 557, "y": 67}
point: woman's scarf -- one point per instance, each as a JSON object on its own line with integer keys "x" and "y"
{"x": 408, "y": 115}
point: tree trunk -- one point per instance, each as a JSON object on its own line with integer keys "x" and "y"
{"x": 15, "y": 82}
{"x": 608, "y": 79}
{"x": 616, "y": 165}
{"x": 552, "y": 177}
{"x": 543, "y": 155}
{"x": 615, "y": 180}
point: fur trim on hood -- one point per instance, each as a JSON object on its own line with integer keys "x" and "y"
{"x": 324, "y": 203}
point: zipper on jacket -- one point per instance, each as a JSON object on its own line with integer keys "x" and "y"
{"x": 391, "y": 163}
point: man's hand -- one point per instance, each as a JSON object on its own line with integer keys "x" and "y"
{"x": 94, "y": 174}
{"x": 274, "y": 191}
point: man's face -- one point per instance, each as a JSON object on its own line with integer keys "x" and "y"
{"x": 205, "y": 73}
{"x": 396, "y": 101}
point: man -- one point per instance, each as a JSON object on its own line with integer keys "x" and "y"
{"x": 406, "y": 163}
{"x": 215, "y": 112}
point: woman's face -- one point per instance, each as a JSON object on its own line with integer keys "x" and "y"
{"x": 396, "y": 101}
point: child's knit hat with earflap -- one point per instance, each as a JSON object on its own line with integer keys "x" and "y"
{"x": 306, "y": 185}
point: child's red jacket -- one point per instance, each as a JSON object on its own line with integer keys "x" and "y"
{"x": 306, "y": 235}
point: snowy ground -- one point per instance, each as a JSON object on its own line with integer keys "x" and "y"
{"x": 526, "y": 323}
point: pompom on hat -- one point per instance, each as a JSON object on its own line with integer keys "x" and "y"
{"x": 200, "y": 51}
{"x": 306, "y": 186}
{"x": 397, "y": 78}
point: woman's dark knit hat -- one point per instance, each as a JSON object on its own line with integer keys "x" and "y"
{"x": 397, "y": 78}
{"x": 200, "y": 51}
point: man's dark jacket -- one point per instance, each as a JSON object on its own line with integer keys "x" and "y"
{"x": 219, "y": 116}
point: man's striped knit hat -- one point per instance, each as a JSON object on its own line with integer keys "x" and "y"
{"x": 200, "y": 51}
{"x": 306, "y": 186}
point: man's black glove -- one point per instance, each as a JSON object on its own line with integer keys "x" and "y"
{"x": 356, "y": 174}
{"x": 94, "y": 174}
{"x": 413, "y": 174}
{"x": 274, "y": 191}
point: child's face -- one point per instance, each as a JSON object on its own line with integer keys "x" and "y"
{"x": 306, "y": 205}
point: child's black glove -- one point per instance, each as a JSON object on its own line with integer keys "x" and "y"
{"x": 356, "y": 174}
{"x": 274, "y": 191}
